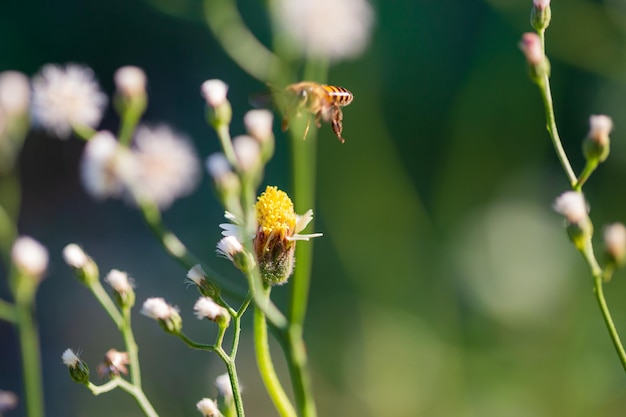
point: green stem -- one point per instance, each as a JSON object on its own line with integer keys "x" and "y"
{"x": 546, "y": 95}
{"x": 266, "y": 366}
{"x": 194, "y": 345}
{"x": 234, "y": 380}
{"x": 107, "y": 303}
{"x": 135, "y": 391}
{"x": 84, "y": 132}
{"x": 223, "y": 135}
{"x": 132, "y": 349}
{"x": 584, "y": 176}
{"x": 8, "y": 312}
{"x": 608, "y": 320}
{"x": 132, "y": 111}
{"x": 31, "y": 360}
{"x": 295, "y": 349}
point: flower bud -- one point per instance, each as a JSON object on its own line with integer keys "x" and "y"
{"x": 248, "y": 153}
{"x": 227, "y": 184}
{"x": 208, "y": 408}
{"x": 219, "y": 110}
{"x": 205, "y": 307}
{"x": 615, "y": 244}
{"x": 540, "y": 15}
{"x": 573, "y": 207}
{"x": 199, "y": 278}
{"x": 230, "y": 248}
{"x": 259, "y": 126}
{"x": 113, "y": 364}
{"x": 84, "y": 267}
{"x": 123, "y": 287}
{"x": 29, "y": 257}
{"x": 165, "y": 314}
{"x": 131, "y": 99}
{"x": 79, "y": 371}
{"x": 14, "y": 94}
{"x": 538, "y": 64}
{"x": 597, "y": 144}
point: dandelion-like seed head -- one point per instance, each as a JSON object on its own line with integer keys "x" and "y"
{"x": 167, "y": 166}
{"x": 334, "y": 29}
{"x": 14, "y": 93}
{"x": 66, "y": 97}
{"x": 29, "y": 256}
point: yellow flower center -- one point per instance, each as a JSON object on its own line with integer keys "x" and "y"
{"x": 274, "y": 213}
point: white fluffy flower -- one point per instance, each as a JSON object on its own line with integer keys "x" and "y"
{"x": 14, "y": 93}
{"x": 167, "y": 166}
{"x": 157, "y": 309}
{"x": 70, "y": 358}
{"x": 119, "y": 281}
{"x": 205, "y": 307}
{"x": 214, "y": 92}
{"x": 106, "y": 167}
{"x": 29, "y": 256}
{"x": 572, "y": 206}
{"x": 130, "y": 81}
{"x": 75, "y": 256}
{"x": 208, "y": 408}
{"x": 64, "y": 97}
{"x": 335, "y": 29}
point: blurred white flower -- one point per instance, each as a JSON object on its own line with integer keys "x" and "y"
{"x": 119, "y": 281}
{"x": 224, "y": 388}
{"x": 29, "y": 256}
{"x": 205, "y": 307}
{"x": 130, "y": 81}
{"x": 214, "y": 92}
{"x": 167, "y": 166}
{"x": 259, "y": 124}
{"x": 75, "y": 256}
{"x": 70, "y": 358}
{"x": 248, "y": 153}
{"x": 8, "y": 401}
{"x": 106, "y": 167}
{"x": 572, "y": 206}
{"x": 64, "y": 97}
{"x": 196, "y": 274}
{"x": 208, "y": 408}
{"x": 335, "y": 29}
{"x": 156, "y": 308}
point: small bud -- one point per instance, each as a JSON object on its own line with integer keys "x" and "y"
{"x": 615, "y": 244}
{"x": 14, "y": 94}
{"x": 540, "y": 15}
{"x": 208, "y": 408}
{"x": 199, "y": 278}
{"x": 8, "y": 401}
{"x": 165, "y": 314}
{"x": 230, "y": 248}
{"x": 29, "y": 257}
{"x": 573, "y": 207}
{"x": 79, "y": 371}
{"x": 123, "y": 287}
{"x": 113, "y": 364}
{"x": 538, "y": 64}
{"x": 227, "y": 184}
{"x": 259, "y": 126}
{"x": 130, "y": 82}
{"x": 205, "y": 307}
{"x": 219, "y": 111}
{"x": 248, "y": 153}
{"x": 84, "y": 267}
{"x": 597, "y": 144}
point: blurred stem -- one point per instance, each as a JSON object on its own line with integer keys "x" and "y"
{"x": 546, "y": 95}
{"x": 295, "y": 349}
{"x": 266, "y": 366}
{"x": 10, "y": 197}
{"x": 131, "y": 111}
{"x": 584, "y": 176}
{"x": 131, "y": 348}
{"x": 194, "y": 345}
{"x": 136, "y": 392}
{"x": 177, "y": 250}
{"x": 8, "y": 312}
{"x": 107, "y": 303}
{"x": 31, "y": 360}
{"x": 239, "y": 43}
{"x": 227, "y": 144}
{"x": 84, "y": 132}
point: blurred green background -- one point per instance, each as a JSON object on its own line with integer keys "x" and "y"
{"x": 444, "y": 284}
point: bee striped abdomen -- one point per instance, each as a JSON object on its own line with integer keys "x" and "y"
{"x": 338, "y": 95}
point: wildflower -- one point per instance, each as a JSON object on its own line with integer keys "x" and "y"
{"x": 130, "y": 82}
{"x": 532, "y": 49}
{"x": 208, "y": 408}
{"x": 106, "y": 167}
{"x": 231, "y": 248}
{"x": 14, "y": 93}
{"x": 167, "y": 166}
{"x": 615, "y": 243}
{"x": 540, "y": 15}
{"x": 113, "y": 364}
{"x": 165, "y": 314}
{"x": 199, "y": 278}
{"x": 248, "y": 153}
{"x": 220, "y": 112}
{"x": 124, "y": 293}
{"x": 573, "y": 207}
{"x": 205, "y": 307}
{"x": 65, "y": 98}
{"x": 334, "y": 29}
{"x": 30, "y": 257}
{"x": 85, "y": 268}
{"x": 596, "y": 145}
{"x": 8, "y": 401}
{"x": 79, "y": 371}
{"x": 278, "y": 229}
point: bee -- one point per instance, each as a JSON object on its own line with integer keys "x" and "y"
{"x": 322, "y": 101}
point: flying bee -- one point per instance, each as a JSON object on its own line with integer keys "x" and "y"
{"x": 322, "y": 101}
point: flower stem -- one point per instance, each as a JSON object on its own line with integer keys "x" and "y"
{"x": 8, "y": 312}
{"x": 135, "y": 391}
{"x": 131, "y": 348}
{"x": 31, "y": 360}
{"x": 107, "y": 303}
{"x": 234, "y": 380}
{"x": 584, "y": 176}
{"x": 546, "y": 95}
{"x": 266, "y": 366}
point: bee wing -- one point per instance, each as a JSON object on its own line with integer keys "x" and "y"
{"x": 263, "y": 100}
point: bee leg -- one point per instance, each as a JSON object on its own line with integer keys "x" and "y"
{"x": 318, "y": 119}
{"x": 306, "y": 129}
{"x": 337, "y": 117}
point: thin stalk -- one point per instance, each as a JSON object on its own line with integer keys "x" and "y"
{"x": 132, "y": 349}
{"x": 546, "y": 95}
{"x": 234, "y": 380}
{"x": 31, "y": 359}
{"x": 107, "y": 303}
{"x": 584, "y": 176}
{"x": 194, "y": 345}
{"x": 8, "y": 312}
{"x": 135, "y": 391}
{"x": 266, "y": 366}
